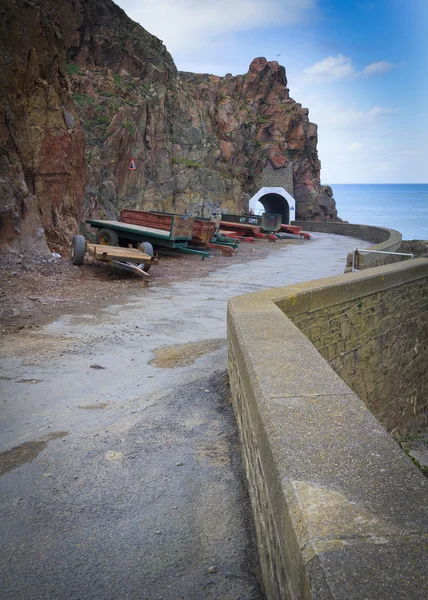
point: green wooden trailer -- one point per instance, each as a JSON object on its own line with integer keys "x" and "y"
{"x": 117, "y": 233}
{"x": 247, "y": 219}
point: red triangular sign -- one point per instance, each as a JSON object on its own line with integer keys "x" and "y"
{"x": 132, "y": 165}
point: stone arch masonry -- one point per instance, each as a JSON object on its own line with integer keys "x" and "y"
{"x": 282, "y": 177}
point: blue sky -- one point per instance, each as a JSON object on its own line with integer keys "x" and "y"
{"x": 360, "y": 66}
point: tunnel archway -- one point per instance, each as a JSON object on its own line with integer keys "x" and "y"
{"x": 274, "y": 200}
{"x": 274, "y": 203}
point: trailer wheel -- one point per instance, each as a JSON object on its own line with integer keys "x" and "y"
{"x": 147, "y": 248}
{"x": 107, "y": 237}
{"x": 78, "y": 249}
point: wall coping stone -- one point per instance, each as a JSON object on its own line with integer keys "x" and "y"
{"x": 383, "y": 238}
{"x": 350, "y": 508}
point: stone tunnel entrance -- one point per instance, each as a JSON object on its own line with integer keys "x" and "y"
{"x": 274, "y": 200}
{"x": 274, "y": 203}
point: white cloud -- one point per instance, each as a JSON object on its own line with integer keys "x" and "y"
{"x": 346, "y": 147}
{"x": 331, "y": 68}
{"x": 188, "y": 25}
{"x": 334, "y": 68}
{"x": 383, "y": 165}
{"x": 354, "y": 118}
{"x": 377, "y": 68}
{"x": 410, "y": 152}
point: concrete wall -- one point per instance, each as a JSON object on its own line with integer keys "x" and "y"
{"x": 340, "y": 510}
{"x": 387, "y": 240}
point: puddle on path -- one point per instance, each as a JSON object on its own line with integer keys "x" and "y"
{"x": 95, "y": 406}
{"x": 182, "y": 355}
{"x": 26, "y": 452}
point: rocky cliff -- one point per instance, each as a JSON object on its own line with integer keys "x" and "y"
{"x": 85, "y": 90}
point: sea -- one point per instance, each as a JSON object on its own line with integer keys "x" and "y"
{"x": 398, "y": 206}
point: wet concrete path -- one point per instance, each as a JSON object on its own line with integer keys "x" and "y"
{"x": 128, "y": 482}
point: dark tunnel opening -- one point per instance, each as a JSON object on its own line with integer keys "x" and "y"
{"x": 275, "y": 203}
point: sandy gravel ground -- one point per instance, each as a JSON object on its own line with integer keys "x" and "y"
{"x": 34, "y": 291}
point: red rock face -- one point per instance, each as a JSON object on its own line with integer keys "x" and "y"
{"x": 85, "y": 89}
{"x": 277, "y": 160}
{"x": 60, "y": 183}
{"x": 260, "y": 68}
{"x": 226, "y": 149}
{"x": 261, "y": 123}
{"x": 43, "y": 160}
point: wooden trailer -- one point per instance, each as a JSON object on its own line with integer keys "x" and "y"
{"x": 179, "y": 227}
{"x": 173, "y": 231}
{"x": 137, "y": 260}
{"x": 248, "y": 219}
{"x": 203, "y": 230}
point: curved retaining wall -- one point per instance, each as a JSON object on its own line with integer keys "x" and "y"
{"x": 340, "y": 510}
{"x": 387, "y": 240}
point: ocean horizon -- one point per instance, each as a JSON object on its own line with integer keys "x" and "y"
{"x": 399, "y": 206}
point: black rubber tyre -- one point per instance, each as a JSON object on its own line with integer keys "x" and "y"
{"x": 107, "y": 237}
{"x": 78, "y": 249}
{"x": 147, "y": 248}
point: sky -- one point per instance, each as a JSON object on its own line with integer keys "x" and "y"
{"x": 359, "y": 66}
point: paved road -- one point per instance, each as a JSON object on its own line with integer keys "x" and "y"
{"x": 128, "y": 483}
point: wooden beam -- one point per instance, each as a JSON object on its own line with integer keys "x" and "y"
{"x": 107, "y": 253}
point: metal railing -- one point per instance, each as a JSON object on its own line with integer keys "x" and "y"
{"x": 357, "y": 250}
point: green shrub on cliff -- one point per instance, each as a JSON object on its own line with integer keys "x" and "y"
{"x": 191, "y": 164}
{"x": 128, "y": 126}
{"x": 97, "y": 122}
{"x": 118, "y": 80}
{"x": 83, "y": 99}
{"x": 73, "y": 69}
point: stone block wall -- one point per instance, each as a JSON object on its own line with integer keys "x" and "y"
{"x": 272, "y": 554}
{"x": 282, "y": 177}
{"x": 376, "y": 339}
{"x": 368, "y": 233}
{"x": 340, "y": 510}
{"x": 384, "y": 239}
